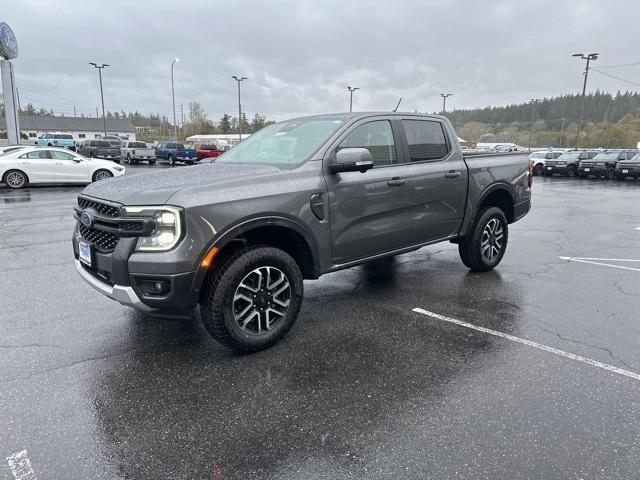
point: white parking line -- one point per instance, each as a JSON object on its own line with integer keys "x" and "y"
{"x": 21, "y": 466}
{"x": 593, "y": 262}
{"x": 539, "y": 346}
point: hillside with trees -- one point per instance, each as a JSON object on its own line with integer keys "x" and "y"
{"x": 608, "y": 121}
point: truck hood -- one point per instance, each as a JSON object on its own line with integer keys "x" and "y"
{"x": 157, "y": 187}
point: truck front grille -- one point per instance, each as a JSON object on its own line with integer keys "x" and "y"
{"x": 104, "y": 241}
{"x": 101, "y": 208}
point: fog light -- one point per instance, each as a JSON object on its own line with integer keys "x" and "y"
{"x": 153, "y": 287}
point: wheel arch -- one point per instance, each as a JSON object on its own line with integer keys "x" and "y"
{"x": 8, "y": 170}
{"x": 281, "y": 232}
{"x": 498, "y": 195}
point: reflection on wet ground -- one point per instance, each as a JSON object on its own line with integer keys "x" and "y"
{"x": 361, "y": 387}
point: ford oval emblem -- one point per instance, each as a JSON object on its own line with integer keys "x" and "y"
{"x": 87, "y": 218}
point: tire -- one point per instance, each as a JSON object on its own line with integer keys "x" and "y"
{"x": 101, "y": 175}
{"x": 571, "y": 171}
{"x": 549, "y": 174}
{"x": 471, "y": 246}
{"x": 128, "y": 159}
{"x": 90, "y": 154}
{"x": 15, "y": 179}
{"x": 172, "y": 161}
{"x": 610, "y": 173}
{"x": 229, "y": 299}
{"x": 538, "y": 170}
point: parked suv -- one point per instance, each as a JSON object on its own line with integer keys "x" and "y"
{"x": 567, "y": 163}
{"x": 99, "y": 149}
{"x": 628, "y": 168}
{"x": 64, "y": 140}
{"x": 539, "y": 158}
{"x": 604, "y": 163}
{"x": 294, "y": 201}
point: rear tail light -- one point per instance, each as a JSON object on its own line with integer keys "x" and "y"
{"x": 133, "y": 151}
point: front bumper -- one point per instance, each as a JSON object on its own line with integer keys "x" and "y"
{"x": 555, "y": 169}
{"x": 627, "y": 172}
{"x": 125, "y": 276}
{"x": 597, "y": 171}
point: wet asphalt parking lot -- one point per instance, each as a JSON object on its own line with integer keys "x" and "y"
{"x": 363, "y": 386}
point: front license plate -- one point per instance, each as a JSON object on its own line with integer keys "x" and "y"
{"x": 85, "y": 253}
{"x": 587, "y": 170}
{"x": 625, "y": 171}
{"x": 549, "y": 168}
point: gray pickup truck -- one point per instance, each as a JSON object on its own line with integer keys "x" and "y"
{"x": 294, "y": 201}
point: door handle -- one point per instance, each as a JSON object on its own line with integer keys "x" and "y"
{"x": 396, "y": 182}
{"x": 452, "y": 174}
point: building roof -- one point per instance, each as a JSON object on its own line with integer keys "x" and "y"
{"x": 71, "y": 124}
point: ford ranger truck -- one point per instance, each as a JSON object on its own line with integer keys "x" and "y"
{"x": 300, "y": 198}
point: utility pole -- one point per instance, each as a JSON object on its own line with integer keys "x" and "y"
{"x": 18, "y": 98}
{"x": 239, "y": 80}
{"x": 588, "y": 58}
{"x": 173, "y": 98}
{"x": 74, "y": 110}
{"x": 533, "y": 103}
{"x": 444, "y": 100}
{"x": 351, "y": 90}
{"x": 561, "y": 131}
{"x": 104, "y": 118}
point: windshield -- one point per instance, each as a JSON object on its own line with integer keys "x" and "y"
{"x": 284, "y": 144}
{"x": 570, "y": 156}
{"x": 636, "y": 157}
{"x": 137, "y": 145}
{"x": 102, "y": 143}
{"x": 208, "y": 147}
{"x": 607, "y": 156}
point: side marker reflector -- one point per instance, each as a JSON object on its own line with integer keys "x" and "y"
{"x": 207, "y": 261}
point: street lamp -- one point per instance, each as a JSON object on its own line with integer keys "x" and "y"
{"x": 588, "y": 58}
{"x": 533, "y": 103}
{"x": 444, "y": 100}
{"x": 104, "y": 119}
{"x": 239, "y": 80}
{"x": 351, "y": 90}
{"x": 173, "y": 98}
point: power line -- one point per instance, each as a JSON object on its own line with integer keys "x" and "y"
{"x": 617, "y": 78}
{"x": 620, "y": 65}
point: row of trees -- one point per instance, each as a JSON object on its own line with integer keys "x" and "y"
{"x": 608, "y": 121}
{"x": 192, "y": 120}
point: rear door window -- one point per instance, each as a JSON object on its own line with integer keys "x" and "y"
{"x": 426, "y": 140}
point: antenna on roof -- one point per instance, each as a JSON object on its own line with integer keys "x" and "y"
{"x": 396, "y": 109}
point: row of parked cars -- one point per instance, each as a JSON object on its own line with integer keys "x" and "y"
{"x": 611, "y": 163}
{"x": 112, "y": 147}
{"x": 133, "y": 152}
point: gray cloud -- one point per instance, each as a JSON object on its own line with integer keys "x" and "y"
{"x": 300, "y": 55}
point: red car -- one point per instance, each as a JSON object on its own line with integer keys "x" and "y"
{"x": 204, "y": 150}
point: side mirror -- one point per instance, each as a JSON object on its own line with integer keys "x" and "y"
{"x": 352, "y": 160}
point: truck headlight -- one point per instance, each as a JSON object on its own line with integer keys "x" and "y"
{"x": 168, "y": 228}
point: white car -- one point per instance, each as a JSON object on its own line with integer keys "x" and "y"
{"x": 33, "y": 165}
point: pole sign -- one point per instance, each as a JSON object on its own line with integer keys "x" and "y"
{"x": 8, "y": 42}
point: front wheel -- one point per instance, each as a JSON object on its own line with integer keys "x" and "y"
{"x": 102, "y": 175}
{"x": 172, "y": 161}
{"x": 538, "y": 170}
{"x": 571, "y": 171}
{"x": 15, "y": 179}
{"x": 128, "y": 159}
{"x": 484, "y": 247}
{"x": 253, "y": 299}
{"x": 610, "y": 173}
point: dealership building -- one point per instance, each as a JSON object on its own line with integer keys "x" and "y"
{"x": 32, "y": 126}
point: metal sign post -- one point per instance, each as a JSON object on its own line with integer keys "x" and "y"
{"x": 8, "y": 51}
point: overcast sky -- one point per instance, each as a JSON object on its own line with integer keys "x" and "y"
{"x": 300, "y": 56}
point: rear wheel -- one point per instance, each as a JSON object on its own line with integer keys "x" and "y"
{"x": 485, "y": 246}
{"x": 128, "y": 159}
{"x": 102, "y": 175}
{"x": 172, "y": 161}
{"x": 15, "y": 179}
{"x": 253, "y": 299}
{"x": 538, "y": 170}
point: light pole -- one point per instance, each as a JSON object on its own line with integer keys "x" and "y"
{"x": 173, "y": 98}
{"x": 533, "y": 103}
{"x": 351, "y": 90}
{"x": 104, "y": 118}
{"x": 444, "y": 100}
{"x": 588, "y": 58}
{"x": 239, "y": 80}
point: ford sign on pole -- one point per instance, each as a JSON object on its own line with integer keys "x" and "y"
{"x": 9, "y": 51}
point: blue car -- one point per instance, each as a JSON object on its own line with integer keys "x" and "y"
{"x": 63, "y": 140}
